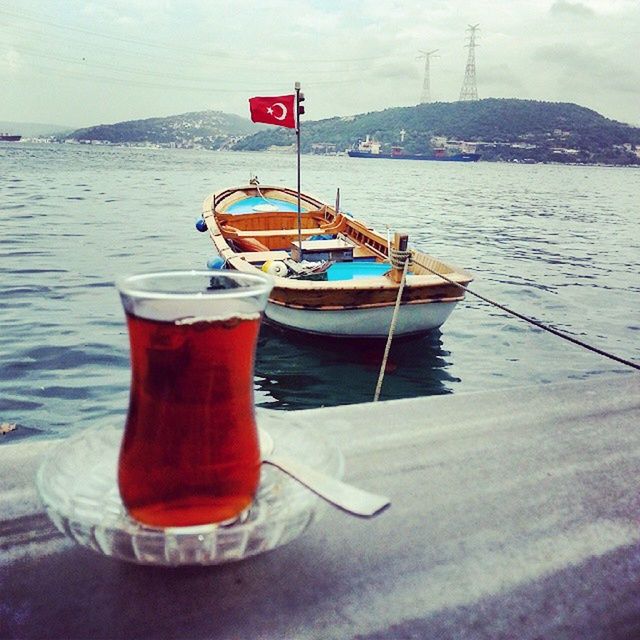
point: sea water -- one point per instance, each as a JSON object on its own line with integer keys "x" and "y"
{"x": 559, "y": 243}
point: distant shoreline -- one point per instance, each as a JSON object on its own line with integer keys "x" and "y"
{"x": 162, "y": 147}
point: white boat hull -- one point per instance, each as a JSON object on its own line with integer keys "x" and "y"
{"x": 373, "y": 322}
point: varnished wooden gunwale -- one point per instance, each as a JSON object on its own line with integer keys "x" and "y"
{"x": 293, "y": 304}
{"x": 226, "y": 197}
{"x": 340, "y": 295}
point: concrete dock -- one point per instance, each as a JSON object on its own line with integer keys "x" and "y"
{"x": 515, "y": 515}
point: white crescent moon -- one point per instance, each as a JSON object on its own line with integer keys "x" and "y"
{"x": 284, "y": 110}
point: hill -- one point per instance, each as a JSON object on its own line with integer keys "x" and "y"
{"x": 208, "y": 129}
{"x": 504, "y": 129}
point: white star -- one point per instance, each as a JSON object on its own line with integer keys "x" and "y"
{"x": 270, "y": 111}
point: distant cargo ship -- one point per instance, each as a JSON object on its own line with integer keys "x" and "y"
{"x": 460, "y": 152}
{"x": 454, "y": 157}
{"x": 5, "y": 137}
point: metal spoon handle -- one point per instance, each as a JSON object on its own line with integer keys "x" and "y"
{"x": 340, "y": 494}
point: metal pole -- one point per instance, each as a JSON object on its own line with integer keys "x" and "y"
{"x": 297, "y": 85}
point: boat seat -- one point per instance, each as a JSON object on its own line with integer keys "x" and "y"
{"x": 263, "y": 256}
{"x": 267, "y": 233}
{"x": 257, "y": 240}
{"x": 271, "y": 219}
{"x": 249, "y": 243}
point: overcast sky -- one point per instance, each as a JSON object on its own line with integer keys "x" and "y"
{"x": 79, "y": 62}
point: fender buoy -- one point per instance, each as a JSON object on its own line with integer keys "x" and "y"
{"x": 275, "y": 268}
{"x": 215, "y": 263}
{"x": 201, "y": 225}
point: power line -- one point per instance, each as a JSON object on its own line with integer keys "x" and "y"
{"x": 219, "y": 54}
{"x": 162, "y": 74}
{"x": 212, "y": 88}
{"x": 42, "y": 36}
{"x": 90, "y": 64}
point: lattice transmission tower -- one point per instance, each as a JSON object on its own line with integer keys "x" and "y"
{"x": 469, "y": 89}
{"x": 426, "y": 83}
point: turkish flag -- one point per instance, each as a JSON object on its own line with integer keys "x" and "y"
{"x": 278, "y": 110}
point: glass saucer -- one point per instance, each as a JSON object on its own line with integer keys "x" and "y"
{"x": 77, "y": 484}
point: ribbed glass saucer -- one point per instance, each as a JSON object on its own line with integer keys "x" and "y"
{"x": 78, "y": 486}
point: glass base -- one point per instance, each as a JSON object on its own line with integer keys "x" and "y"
{"x": 78, "y": 486}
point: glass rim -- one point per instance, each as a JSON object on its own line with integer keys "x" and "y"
{"x": 255, "y": 284}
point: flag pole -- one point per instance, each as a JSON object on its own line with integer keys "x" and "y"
{"x": 297, "y": 86}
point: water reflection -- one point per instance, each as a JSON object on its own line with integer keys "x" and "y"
{"x": 301, "y": 372}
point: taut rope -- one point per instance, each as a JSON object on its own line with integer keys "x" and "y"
{"x": 535, "y": 322}
{"x": 399, "y": 259}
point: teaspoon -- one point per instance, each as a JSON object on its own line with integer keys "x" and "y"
{"x": 340, "y": 494}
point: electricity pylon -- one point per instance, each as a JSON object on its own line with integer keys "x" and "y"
{"x": 469, "y": 89}
{"x": 426, "y": 83}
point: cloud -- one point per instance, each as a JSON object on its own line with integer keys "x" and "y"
{"x": 500, "y": 77}
{"x": 572, "y": 9}
{"x": 393, "y": 70}
{"x": 573, "y": 60}
{"x": 11, "y": 61}
{"x": 627, "y": 84}
{"x": 582, "y": 72}
{"x": 166, "y": 56}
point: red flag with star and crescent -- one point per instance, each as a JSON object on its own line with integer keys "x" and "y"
{"x": 278, "y": 110}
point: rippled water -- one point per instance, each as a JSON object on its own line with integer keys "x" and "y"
{"x": 555, "y": 242}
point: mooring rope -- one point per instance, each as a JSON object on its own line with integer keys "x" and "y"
{"x": 254, "y": 182}
{"x": 535, "y": 322}
{"x": 395, "y": 260}
{"x": 401, "y": 259}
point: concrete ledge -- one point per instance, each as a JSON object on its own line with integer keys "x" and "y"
{"x": 515, "y": 515}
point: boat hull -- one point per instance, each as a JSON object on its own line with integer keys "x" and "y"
{"x": 8, "y": 138}
{"x": 412, "y": 320}
{"x": 456, "y": 157}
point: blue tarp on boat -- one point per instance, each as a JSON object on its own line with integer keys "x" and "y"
{"x": 356, "y": 269}
{"x": 252, "y": 205}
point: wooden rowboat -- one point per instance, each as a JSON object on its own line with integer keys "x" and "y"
{"x": 339, "y": 288}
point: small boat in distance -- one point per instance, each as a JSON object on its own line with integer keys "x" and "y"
{"x": 443, "y": 152}
{"x": 6, "y": 137}
{"x": 332, "y": 273}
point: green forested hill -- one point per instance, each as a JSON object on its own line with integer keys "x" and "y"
{"x": 504, "y": 129}
{"x": 210, "y": 129}
{"x": 538, "y": 129}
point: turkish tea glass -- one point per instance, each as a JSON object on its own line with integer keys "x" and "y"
{"x": 190, "y": 451}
